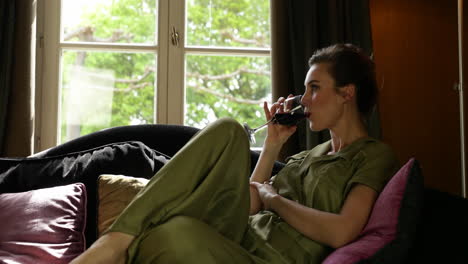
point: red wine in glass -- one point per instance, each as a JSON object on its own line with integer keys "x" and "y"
{"x": 289, "y": 119}
{"x": 292, "y": 113}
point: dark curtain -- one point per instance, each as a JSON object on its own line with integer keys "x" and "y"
{"x": 7, "y": 26}
{"x": 18, "y": 81}
{"x": 299, "y": 27}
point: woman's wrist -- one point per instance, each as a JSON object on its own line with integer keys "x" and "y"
{"x": 272, "y": 147}
{"x": 272, "y": 201}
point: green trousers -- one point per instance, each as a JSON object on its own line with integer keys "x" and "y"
{"x": 195, "y": 209}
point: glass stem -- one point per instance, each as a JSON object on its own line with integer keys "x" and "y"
{"x": 264, "y": 125}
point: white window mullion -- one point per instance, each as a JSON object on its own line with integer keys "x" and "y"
{"x": 176, "y": 68}
{"x": 90, "y": 46}
{"x": 163, "y": 59}
{"x": 49, "y": 101}
{"x": 227, "y": 51}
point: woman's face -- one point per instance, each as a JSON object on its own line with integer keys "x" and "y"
{"x": 321, "y": 100}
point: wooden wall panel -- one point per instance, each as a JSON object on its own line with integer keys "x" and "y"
{"x": 415, "y": 49}
{"x": 465, "y": 78}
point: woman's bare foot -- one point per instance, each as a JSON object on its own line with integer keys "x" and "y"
{"x": 110, "y": 248}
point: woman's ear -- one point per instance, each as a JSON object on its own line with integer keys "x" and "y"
{"x": 348, "y": 92}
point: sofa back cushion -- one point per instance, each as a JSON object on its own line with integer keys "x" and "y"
{"x": 391, "y": 228}
{"x": 43, "y": 226}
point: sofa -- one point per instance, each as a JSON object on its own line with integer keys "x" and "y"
{"x": 428, "y": 226}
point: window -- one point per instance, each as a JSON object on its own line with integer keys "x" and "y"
{"x": 108, "y": 63}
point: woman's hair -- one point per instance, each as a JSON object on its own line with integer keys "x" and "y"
{"x": 347, "y": 64}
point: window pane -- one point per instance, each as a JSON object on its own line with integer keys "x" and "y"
{"x": 220, "y": 86}
{"x": 240, "y": 23}
{"x": 105, "y": 89}
{"x": 111, "y": 21}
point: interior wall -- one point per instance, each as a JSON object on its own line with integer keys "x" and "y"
{"x": 416, "y": 52}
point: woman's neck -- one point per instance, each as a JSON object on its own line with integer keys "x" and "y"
{"x": 346, "y": 133}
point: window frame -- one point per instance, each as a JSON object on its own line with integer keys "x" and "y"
{"x": 170, "y": 80}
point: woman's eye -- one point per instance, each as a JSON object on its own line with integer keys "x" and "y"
{"x": 314, "y": 87}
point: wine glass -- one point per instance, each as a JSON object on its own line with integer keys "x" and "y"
{"x": 293, "y": 112}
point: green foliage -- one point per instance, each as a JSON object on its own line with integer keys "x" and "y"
{"x": 210, "y": 22}
{"x": 202, "y": 105}
{"x": 240, "y": 23}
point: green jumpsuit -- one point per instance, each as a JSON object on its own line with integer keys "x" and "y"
{"x": 196, "y": 208}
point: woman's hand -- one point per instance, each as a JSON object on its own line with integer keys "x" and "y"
{"x": 277, "y": 134}
{"x": 261, "y": 194}
{"x": 266, "y": 192}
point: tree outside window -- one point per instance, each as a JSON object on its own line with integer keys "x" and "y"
{"x": 109, "y": 87}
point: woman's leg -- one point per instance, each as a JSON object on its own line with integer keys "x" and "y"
{"x": 110, "y": 248}
{"x": 187, "y": 240}
{"x": 207, "y": 180}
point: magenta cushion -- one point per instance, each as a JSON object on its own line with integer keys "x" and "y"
{"x": 43, "y": 226}
{"x": 390, "y": 230}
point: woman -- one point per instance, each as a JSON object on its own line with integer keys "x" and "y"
{"x": 196, "y": 208}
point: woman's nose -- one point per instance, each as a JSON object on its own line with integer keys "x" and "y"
{"x": 304, "y": 99}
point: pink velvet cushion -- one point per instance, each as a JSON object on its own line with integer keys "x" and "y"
{"x": 43, "y": 226}
{"x": 390, "y": 230}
